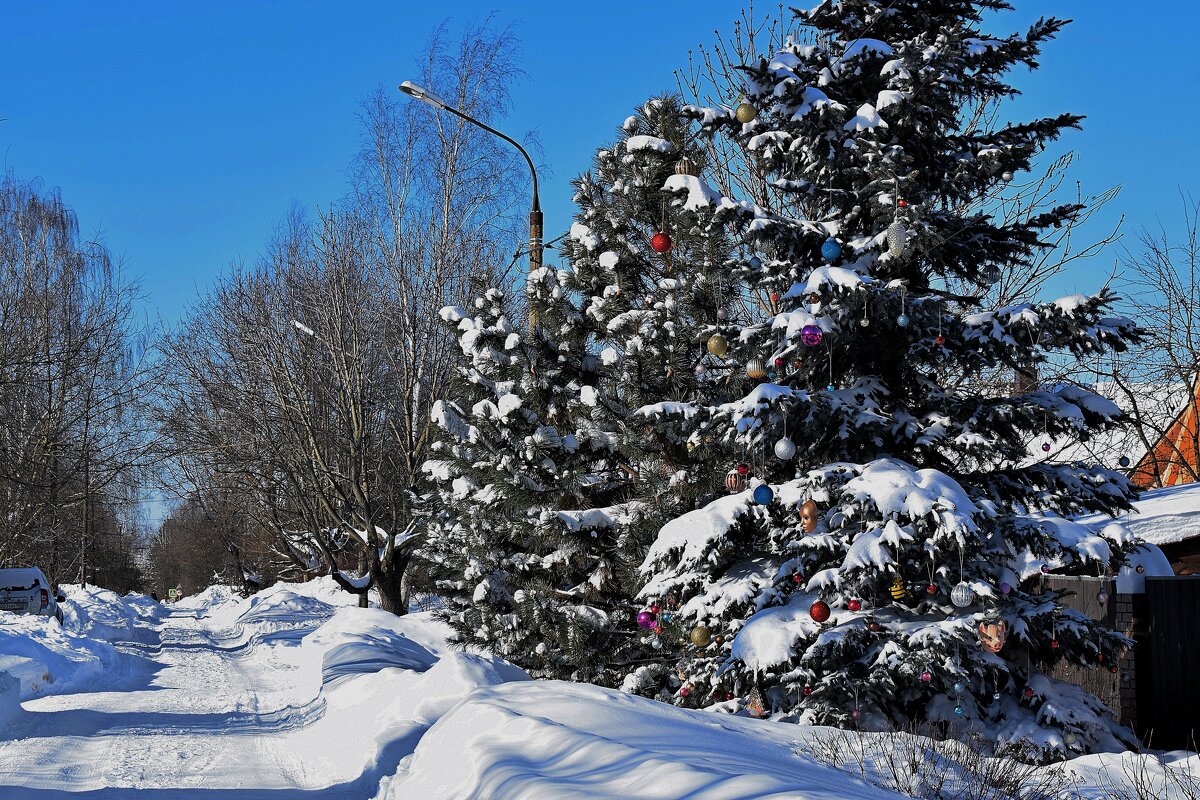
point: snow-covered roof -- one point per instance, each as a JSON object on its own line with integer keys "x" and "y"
{"x": 1165, "y": 516}
{"x": 1158, "y": 404}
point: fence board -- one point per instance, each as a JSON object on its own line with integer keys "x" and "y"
{"x": 1171, "y": 688}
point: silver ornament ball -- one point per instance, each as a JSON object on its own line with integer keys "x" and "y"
{"x": 962, "y": 595}
{"x": 785, "y": 448}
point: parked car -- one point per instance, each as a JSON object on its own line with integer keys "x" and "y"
{"x": 27, "y": 590}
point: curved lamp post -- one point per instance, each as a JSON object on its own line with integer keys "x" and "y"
{"x": 535, "y": 214}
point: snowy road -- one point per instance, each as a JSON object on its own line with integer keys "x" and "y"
{"x": 201, "y": 714}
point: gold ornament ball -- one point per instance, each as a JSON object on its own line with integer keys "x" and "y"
{"x": 718, "y": 345}
{"x": 756, "y": 369}
{"x": 701, "y": 636}
{"x": 745, "y": 113}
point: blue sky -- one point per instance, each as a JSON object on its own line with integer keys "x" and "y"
{"x": 185, "y": 130}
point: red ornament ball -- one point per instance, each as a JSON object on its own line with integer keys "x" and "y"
{"x": 902, "y": 203}
{"x": 684, "y": 692}
{"x": 856, "y": 713}
{"x": 854, "y": 605}
{"x": 819, "y": 611}
{"x": 1028, "y": 691}
{"x": 939, "y": 340}
{"x": 1100, "y": 658}
{"x": 1113, "y": 669}
{"x": 743, "y": 469}
{"x": 808, "y": 691}
{"x": 660, "y": 242}
{"x": 774, "y": 297}
{"x": 931, "y": 589}
{"x": 1054, "y": 644}
{"x": 1045, "y": 447}
{"x": 658, "y": 629}
{"x": 926, "y": 676}
{"x": 797, "y": 577}
{"x": 729, "y": 695}
{"x": 779, "y": 362}
{"x": 875, "y": 627}
{"x": 654, "y": 609}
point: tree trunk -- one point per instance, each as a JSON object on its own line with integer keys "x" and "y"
{"x": 393, "y": 588}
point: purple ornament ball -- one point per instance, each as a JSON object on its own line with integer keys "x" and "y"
{"x": 645, "y": 619}
{"x": 811, "y": 335}
{"x": 1005, "y": 588}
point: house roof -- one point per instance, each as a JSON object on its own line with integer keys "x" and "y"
{"x": 1164, "y": 516}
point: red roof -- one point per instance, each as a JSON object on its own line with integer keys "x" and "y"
{"x": 1173, "y": 460}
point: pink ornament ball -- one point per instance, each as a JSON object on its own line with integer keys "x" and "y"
{"x": 926, "y": 676}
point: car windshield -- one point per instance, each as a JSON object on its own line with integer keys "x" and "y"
{"x": 19, "y": 578}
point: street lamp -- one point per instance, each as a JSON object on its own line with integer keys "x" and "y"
{"x": 535, "y": 214}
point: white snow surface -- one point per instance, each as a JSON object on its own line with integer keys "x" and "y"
{"x": 296, "y": 692}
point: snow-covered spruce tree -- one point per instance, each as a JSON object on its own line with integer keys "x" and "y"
{"x": 648, "y": 264}
{"x": 530, "y": 529}
{"x": 890, "y": 575}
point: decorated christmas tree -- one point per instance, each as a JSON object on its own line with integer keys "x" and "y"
{"x": 883, "y": 567}
{"x": 531, "y": 527}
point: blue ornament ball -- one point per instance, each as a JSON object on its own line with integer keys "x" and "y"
{"x": 1123, "y": 461}
{"x": 755, "y": 262}
{"x": 959, "y": 711}
{"x": 902, "y": 320}
{"x": 763, "y": 494}
{"x": 829, "y": 388}
{"x": 958, "y": 687}
{"x": 831, "y": 250}
{"x": 772, "y": 374}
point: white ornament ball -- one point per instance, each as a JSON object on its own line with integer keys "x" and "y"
{"x": 722, "y": 314}
{"x": 656, "y": 643}
{"x": 785, "y": 448}
{"x": 1006, "y": 176}
{"x": 962, "y": 595}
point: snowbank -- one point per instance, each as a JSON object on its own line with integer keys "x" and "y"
{"x": 555, "y": 740}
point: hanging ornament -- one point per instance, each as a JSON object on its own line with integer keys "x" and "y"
{"x": 755, "y": 262}
{"x": 772, "y": 375}
{"x": 819, "y": 611}
{"x": 778, "y": 362}
{"x": 1069, "y": 739}
{"x": 1054, "y": 645}
{"x": 745, "y": 112}
{"x": 902, "y": 320}
{"x": 684, "y": 166}
{"x": 926, "y": 676}
{"x": 831, "y": 250}
{"x": 902, "y": 203}
{"x": 875, "y": 627}
{"x": 810, "y": 515}
{"x": 854, "y": 605}
{"x": 962, "y": 595}
{"x": 718, "y": 345}
{"x": 763, "y": 494}
{"x": 797, "y": 577}
{"x": 1005, "y": 588}
{"x": 897, "y": 589}
{"x": 722, "y": 314}
{"x": 734, "y": 481}
{"x": 814, "y": 298}
{"x": 959, "y": 711}
{"x": 743, "y": 469}
{"x": 1006, "y": 176}
{"x": 811, "y": 335}
{"x": 959, "y": 687}
{"x": 1028, "y": 692}
{"x": 1046, "y": 446}
{"x": 808, "y": 691}
{"x": 864, "y": 323}
{"x": 754, "y": 703}
{"x": 856, "y": 714}
{"x": 656, "y": 643}
{"x": 931, "y": 589}
{"x": 785, "y": 448}
{"x": 939, "y": 340}
{"x": 660, "y": 242}
{"x": 685, "y": 690}
{"x": 897, "y": 239}
{"x": 1123, "y": 461}
{"x": 700, "y": 370}
{"x": 774, "y": 298}
{"x": 1102, "y": 597}
{"x": 991, "y": 635}
{"x": 756, "y": 369}
{"x": 645, "y": 619}
{"x": 701, "y": 636}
